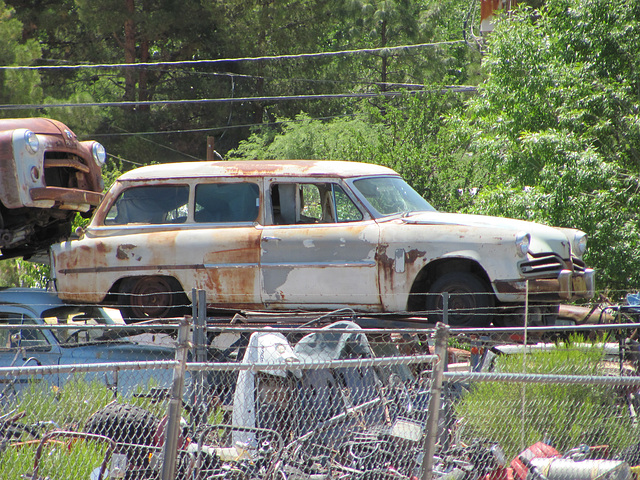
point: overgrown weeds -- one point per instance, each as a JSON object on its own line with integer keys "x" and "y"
{"x": 516, "y": 415}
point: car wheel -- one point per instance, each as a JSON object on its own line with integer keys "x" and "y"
{"x": 470, "y": 301}
{"x": 130, "y": 426}
{"x": 144, "y": 298}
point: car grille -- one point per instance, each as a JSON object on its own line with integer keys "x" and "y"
{"x": 64, "y": 170}
{"x": 549, "y": 264}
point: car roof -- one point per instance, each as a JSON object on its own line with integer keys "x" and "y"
{"x": 258, "y": 168}
{"x": 37, "y": 298}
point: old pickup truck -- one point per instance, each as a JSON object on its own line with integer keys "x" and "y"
{"x": 312, "y": 235}
{"x": 46, "y": 176}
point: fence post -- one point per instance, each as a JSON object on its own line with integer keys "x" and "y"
{"x": 199, "y": 408}
{"x": 445, "y": 308}
{"x": 174, "y": 410}
{"x": 442, "y": 337}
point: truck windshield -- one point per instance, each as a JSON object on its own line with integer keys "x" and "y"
{"x": 391, "y": 195}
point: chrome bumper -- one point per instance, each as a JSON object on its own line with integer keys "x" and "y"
{"x": 567, "y": 286}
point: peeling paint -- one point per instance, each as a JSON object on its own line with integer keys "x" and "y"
{"x": 124, "y": 252}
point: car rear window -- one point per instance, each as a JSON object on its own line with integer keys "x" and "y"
{"x": 153, "y": 204}
{"x": 15, "y": 338}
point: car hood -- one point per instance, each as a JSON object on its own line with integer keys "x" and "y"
{"x": 39, "y": 125}
{"x": 543, "y": 237}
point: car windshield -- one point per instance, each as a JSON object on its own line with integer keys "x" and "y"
{"x": 80, "y": 316}
{"x": 391, "y": 195}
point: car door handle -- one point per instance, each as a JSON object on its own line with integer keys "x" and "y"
{"x": 270, "y": 239}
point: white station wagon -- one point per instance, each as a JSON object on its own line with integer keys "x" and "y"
{"x": 312, "y": 235}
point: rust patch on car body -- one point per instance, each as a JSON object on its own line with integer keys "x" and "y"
{"x": 124, "y": 252}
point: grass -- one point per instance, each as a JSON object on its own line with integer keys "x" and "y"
{"x": 517, "y": 415}
{"x": 66, "y": 459}
{"x": 68, "y": 408}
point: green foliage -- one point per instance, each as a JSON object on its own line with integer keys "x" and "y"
{"x": 17, "y": 86}
{"x": 517, "y": 415}
{"x": 71, "y": 405}
{"x": 19, "y": 273}
{"x": 68, "y": 460}
{"x": 556, "y": 126}
{"x": 79, "y": 32}
{"x": 69, "y": 408}
{"x": 305, "y": 138}
{"x": 410, "y": 135}
{"x": 83, "y": 121}
{"x": 80, "y": 398}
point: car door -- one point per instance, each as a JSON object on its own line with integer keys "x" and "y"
{"x": 21, "y": 346}
{"x": 319, "y": 250}
{"x": 227, "y": 214}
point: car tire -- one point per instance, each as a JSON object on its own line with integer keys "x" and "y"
{"x": 149, "y": 297}
{"x": 470, "y": 300}
{"x": 131, "y": 427}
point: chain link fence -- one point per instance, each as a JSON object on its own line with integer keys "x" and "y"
{"x": 195, "y": 399}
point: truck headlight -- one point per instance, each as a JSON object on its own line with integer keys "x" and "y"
{"x": 579, "y": 244}
{"x": 31, "y": 141}
{"x": 523, "y": 240}
{"x": 98, "y": 153}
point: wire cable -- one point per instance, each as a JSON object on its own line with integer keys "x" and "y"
{"x": 401, "y": 48}
{"x": 223, "y": 128}
{"x": 455, "y": 89}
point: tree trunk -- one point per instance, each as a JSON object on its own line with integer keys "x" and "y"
{"x": 130, "y": 52}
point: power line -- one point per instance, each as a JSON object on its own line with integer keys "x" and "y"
{"x": 454, "y": 89}
{"x": 215, "y": 129}
{"x": 234, "y": 75}
{"x": 401, "y": 48}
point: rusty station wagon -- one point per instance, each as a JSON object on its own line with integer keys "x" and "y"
{"x": 312, "y": 235}
{"x": 46, "y": 176}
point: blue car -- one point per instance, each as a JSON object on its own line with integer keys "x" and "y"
{"x": 86, "y": 344}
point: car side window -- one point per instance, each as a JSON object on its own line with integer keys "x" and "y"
{"x": 13, "y": 338}
{"x": 227, "y": 202}
{"x": 152, "y": 204}
{"x": 346, "y": 211}
{"x": 304, "y": 203}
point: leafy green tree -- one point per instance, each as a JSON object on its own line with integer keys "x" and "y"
{"x": 135, "y": 31}
{"x": 409, "y": 135}
{"x": 17, "y": 86}
{"x": 388, "y": 23}
{"x": 556, "y": 125}
{"x": 19, "y": 273}
{"x": 382, "y": 23}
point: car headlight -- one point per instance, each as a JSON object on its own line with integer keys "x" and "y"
{"x": 579, "y": 244}
{"x": 523, "y": 240}
{"x": 99, "y": 154}
{"x": 31, "y": 141}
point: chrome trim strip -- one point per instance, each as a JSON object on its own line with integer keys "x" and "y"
{"x": 231, "y": 265}
{"x": 367, "y": 264}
